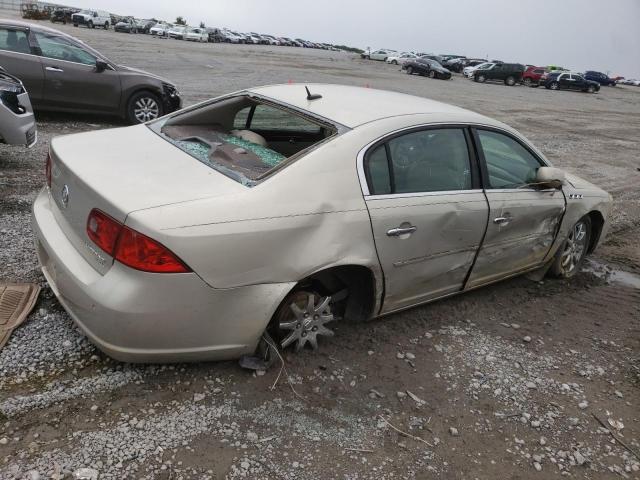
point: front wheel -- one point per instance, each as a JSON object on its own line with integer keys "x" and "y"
{"x": 143, "y": 107}
{"x": 527, "y": 82}
{"x": 571, "y": 255}
{"x": 510, "y": 81}
{"x": 410, "y": 70}
{"x": 395, "y": 62}
{"x": 106, "y": 26}
{"x": 554, "y": 86}
{"x": 432, "y": 74}
{"x": 591, "y": 89}
{"x": 480, "y": 78}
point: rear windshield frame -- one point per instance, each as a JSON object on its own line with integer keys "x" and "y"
{"x": 335, "y": 129}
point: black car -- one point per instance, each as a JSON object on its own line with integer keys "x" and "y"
{"x": 509, "y": 73}
{"x": 570, "y": 81}
{"x": 426, "y": 66}
{"x": 63, "y": 15}
{"x": 126, "y": 25}
{"x": 599, "y": 77}
{"x": 143, "y": 25}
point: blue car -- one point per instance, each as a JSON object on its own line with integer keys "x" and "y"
{"x": 599, "y": 77}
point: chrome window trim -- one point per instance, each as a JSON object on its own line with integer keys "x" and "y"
{"x": 59, "y": 60}
{"x": 388, "y": 196}
{"x": 364, "y": 186}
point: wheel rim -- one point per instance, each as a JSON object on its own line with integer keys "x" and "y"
{"x": 574, "y": 248}
{"x": 432, "y": 74}
{"x": 409, "y": 70}
{"x": 554, "y": 86}
{"x": 145, "y": 109}
{"x": 527, "y": 81}
{"x": 304, "y": 319}
{"x": 481, "y": 78}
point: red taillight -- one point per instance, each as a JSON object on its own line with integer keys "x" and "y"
{"x": 103, "y": 230}
{"x": 143, "y": 253}
{"x": 131, "y": 248}
{"x": 47, "y": 170}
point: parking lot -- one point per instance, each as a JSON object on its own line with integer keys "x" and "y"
{"x": 509, "y": 381}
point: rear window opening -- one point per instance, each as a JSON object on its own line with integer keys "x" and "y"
{"x": 243, "y": 137}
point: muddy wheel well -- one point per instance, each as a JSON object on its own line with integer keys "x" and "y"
{"x": 597, "y": 222}
{"x": 359, "y": 283}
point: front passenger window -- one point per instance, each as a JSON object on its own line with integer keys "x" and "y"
{"x": 509, "y": 164}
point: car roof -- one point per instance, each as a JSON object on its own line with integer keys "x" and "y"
{"x": 34, "y": 26}
{"x": 364, "y": 104}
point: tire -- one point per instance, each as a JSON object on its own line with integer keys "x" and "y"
{"x": 106, "y": 26}
{"x": 395, "y": 62}
{"x": 480, "y": 78}
{"x": 591, "y": 89}
{"x": 75, "y": 24}
{"x": 410, "y": 70}
{"x": 432, "y": 74}
{"x": 143, "y": 107}
{"x": 554, "y": 86}
{"x": 90, "y": 24}
{"x": 510, "y": 81}
{"x": 527, "y": 82}
{"x": 571, "y": 254}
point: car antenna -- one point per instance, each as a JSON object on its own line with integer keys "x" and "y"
{"x": 311, "y": 96}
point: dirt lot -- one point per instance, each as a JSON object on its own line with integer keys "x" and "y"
{"x": 503, "y": 382}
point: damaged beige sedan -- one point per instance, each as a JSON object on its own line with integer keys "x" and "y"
{"x": 282, "y": 209}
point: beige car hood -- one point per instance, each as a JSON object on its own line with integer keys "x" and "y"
{"x": 133, "y": 168}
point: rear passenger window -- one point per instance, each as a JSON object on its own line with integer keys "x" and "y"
{"x": 509, "y": 164}
{"x": 14, "y": 41}
{"x": 431, "y": 160}
{"x": 266, "y": 117}
{"x": 378, "y": 171}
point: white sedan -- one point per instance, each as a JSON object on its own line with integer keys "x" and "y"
{"x": 468, "y": 71}
{"x": 262, "y": 216}
{"x": 402, "y": 58}
{"x": 196, "y": 35}
{"x": 160, "y": 29}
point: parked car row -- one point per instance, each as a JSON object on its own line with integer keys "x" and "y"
{"x": 552, "y": 77}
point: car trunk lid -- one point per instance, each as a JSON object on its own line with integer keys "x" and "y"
{"x": 120, "y": 171}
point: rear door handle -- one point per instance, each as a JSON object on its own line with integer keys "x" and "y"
{"x": 54, "y": 69}
{"x": 398, "y": 231}
{"x": 502, "y": 220}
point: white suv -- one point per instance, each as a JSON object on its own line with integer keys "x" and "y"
{"x": 91, "y": 18}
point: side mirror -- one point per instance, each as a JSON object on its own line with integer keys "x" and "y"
{"x": 101, "y": 66}
{"x": 550, "y": 176}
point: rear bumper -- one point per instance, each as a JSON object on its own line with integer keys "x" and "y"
{"x": 135, "y": 316}
{"x": 18, "y": 128}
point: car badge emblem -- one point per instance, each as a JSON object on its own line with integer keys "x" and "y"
{"x": 64, "y": 195}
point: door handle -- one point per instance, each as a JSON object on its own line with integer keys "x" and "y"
{"x": 54, "y": 69}
{"x": 502, "y": 220}
{"x": 398, "y": 231}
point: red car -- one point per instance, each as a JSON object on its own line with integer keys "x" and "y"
{"x": 531, "y": 76}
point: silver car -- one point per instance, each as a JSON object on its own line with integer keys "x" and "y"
{"x": 282, "y": 209}
{"x": 17, "y": 123}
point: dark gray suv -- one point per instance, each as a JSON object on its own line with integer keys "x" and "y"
{"x": 63, "y": 73}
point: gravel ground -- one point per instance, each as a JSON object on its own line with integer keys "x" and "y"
{"x": 509, "y": 381}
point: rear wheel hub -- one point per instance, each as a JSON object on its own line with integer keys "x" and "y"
{"x": 303, "y": 319}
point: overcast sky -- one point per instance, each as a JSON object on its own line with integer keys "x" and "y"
{"x": 577, "y": 34}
